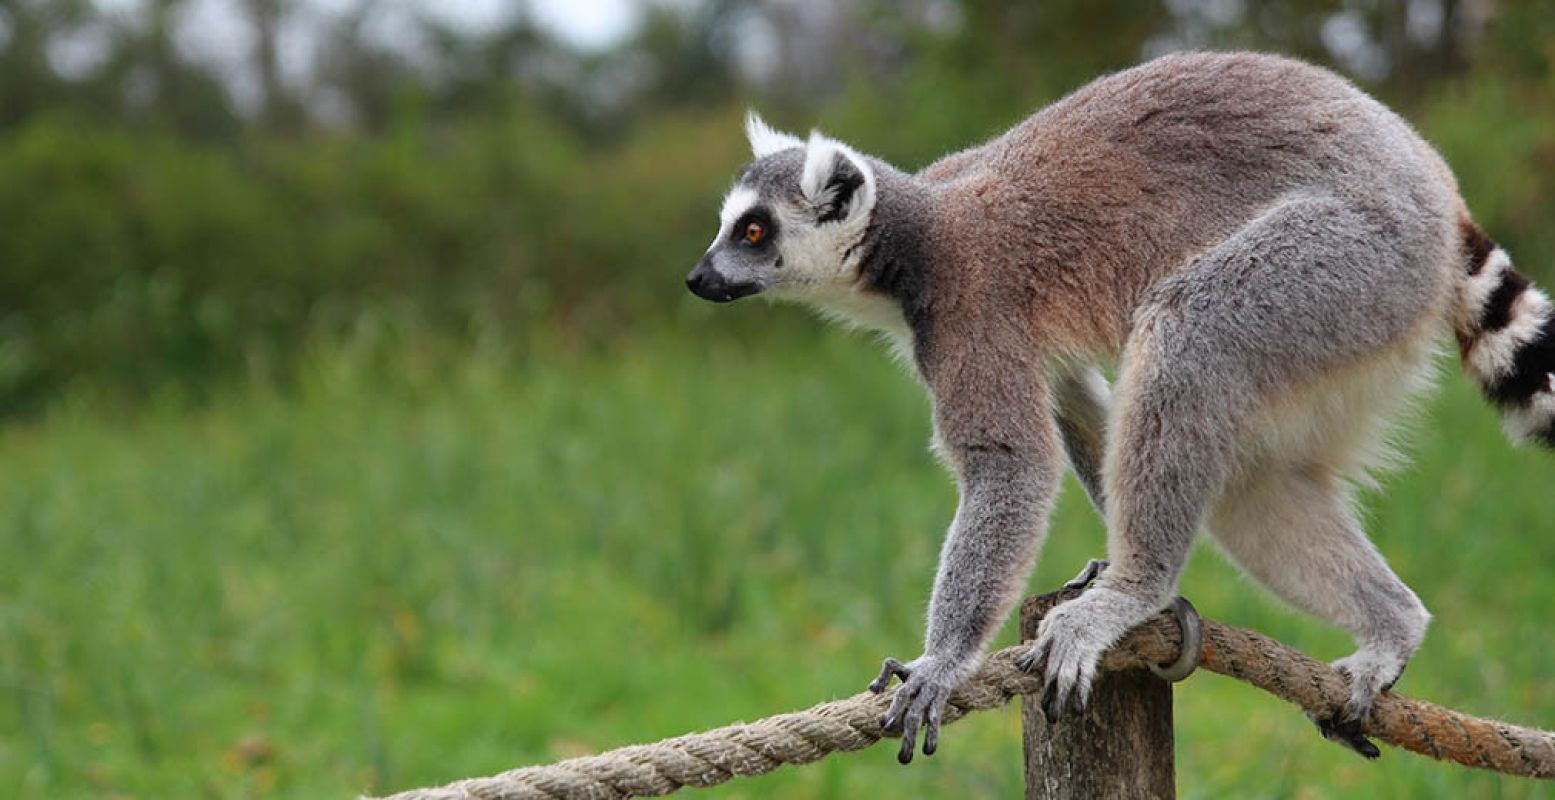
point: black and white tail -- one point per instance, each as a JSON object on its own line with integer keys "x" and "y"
{"x": 1506, "y": 333}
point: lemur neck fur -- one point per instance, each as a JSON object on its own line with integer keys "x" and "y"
{"x": 889, "y": 288}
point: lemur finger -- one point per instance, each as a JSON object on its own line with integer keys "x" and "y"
{"x": 931, "y": 730}
{"x": 1092, "y": 570}
{"x": 910, "y": 734}
{"x": 1077, "y": 700}
{"x": 888, "y": 668}
{"x": 891, "y": 722}
{"x": 1066, "y": 693}
{"x": 1192, "y": 648}
{"x": 1054, "y": 710}
{"x": 1348, "y": 734}
{"x": 1053, "y": 697}
{"x": 1364, "y": 746}
{"x": 1066, "y": 679}
{"x": 1081, "y": 697}
{"x": 1035, "y": 659}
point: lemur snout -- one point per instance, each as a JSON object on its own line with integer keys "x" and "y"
{"x": 707, "y": 283}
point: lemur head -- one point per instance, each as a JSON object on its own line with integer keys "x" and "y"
{"x": 793, "y": 223}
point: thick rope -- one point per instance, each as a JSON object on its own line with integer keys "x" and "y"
{"x": 755, "y": 748}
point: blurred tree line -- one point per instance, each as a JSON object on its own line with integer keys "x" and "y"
{"x": 167, "y": 218}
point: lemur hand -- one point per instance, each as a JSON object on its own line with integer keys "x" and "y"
{"x": 926, "y": 684}
{"x": 1070, "y": 643}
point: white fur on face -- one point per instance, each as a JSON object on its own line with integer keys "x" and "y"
{"x": 739, "y": 200}
{"x": 816, "y": 256}
{"x": 820, "y": 268}
{"x": 824, "y": 256}
{"x": 820, "y": 260}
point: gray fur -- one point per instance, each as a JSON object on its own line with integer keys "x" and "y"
{"x": 1080, "y": 406}
{"x": 1265, "y": 254}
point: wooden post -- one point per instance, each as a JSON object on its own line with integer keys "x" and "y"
{"x": 1121, "y": 747}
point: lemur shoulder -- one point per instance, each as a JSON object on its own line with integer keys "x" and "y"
{"x": 1265, "y": 255}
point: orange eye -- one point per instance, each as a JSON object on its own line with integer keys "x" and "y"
{"x": 754, "y": 232}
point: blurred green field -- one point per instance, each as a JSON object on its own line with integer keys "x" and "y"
{"x": 352, "y": 438}
{"x": 411, "y": 568}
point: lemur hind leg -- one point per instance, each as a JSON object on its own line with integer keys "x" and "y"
{"x": 1081, "y": 403}
{"x": 1212, "y": 345}
{"x": 1292, "y": 529}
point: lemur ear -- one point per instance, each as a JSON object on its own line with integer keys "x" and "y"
{"x": 764, "y": 140}
{"x": 837, "y": 181}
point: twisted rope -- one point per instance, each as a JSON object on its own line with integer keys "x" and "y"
{"x": 756, "y": 748}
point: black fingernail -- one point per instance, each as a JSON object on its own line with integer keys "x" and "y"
{"x": 1047, "y": 703}
{"x": 904, "y": 756}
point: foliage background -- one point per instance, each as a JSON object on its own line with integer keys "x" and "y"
{"x": 356, "y": 431}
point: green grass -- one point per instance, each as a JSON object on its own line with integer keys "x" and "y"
{"x": 388, "y": 576}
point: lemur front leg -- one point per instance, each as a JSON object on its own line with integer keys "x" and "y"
{"x": 1081, "y": 400}
{"x": 993, "y": 427}
{"x": 1165, "y": 461}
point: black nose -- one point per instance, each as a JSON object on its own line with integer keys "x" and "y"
{"x": 698, "y": 280}
{"x": 709, "y": 284}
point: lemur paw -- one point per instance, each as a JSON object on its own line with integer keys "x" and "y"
{"x": 1070, "y": 643}
{"x": 919, "y": 702}
{"x": 1370, "y": 672}
{"x": 1347, "y": 733}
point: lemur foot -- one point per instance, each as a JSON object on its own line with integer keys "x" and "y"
{"x": 1192, "y": 648}
{"x": 920, "y": 701}
{"x": 1070, "y": 643}
{"x": 1371, "y": 672}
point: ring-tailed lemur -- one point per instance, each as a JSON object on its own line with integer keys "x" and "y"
{"x": 1267, "y": 256}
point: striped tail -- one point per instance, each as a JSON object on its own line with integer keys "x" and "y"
{"x": 1506, "y": 333}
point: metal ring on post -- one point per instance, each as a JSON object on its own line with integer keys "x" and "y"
{"x": 1192, "y": 643}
